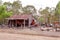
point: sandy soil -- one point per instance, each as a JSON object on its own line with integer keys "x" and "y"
{"x": 7, "y": 36}
{"x": 16, "y": 34}
{"x": 34, "y": 31}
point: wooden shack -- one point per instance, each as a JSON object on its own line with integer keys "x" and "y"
{"x": 21, "y": 20}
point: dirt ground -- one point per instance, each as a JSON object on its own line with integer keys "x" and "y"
{"x": 8, "y": 36}
{"x": 16, "y": 34}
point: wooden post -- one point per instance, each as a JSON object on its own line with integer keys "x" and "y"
{"x": 10, "y": 24}
{"x": 16, "y": 23}
{"x": 24, "y": 23}
{"x": 21, "y": 26}
{"x": 29, "y": 23}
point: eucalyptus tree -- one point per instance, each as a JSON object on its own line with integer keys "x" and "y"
{"x": 16, "y": 6}
{"x": 8, "y": 6}
{"x": 29, "y": 9}
{"x": 57, "y": 11}
{"x": 45, "y": 13}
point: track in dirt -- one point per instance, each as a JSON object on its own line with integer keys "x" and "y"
{"x": 8, "y": 36}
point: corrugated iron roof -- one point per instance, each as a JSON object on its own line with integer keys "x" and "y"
{"x": 24, "y": 16}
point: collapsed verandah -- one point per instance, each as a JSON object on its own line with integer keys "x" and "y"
{"x": 21, "y": 20}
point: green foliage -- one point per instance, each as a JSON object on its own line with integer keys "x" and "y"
{"x": 29, "y": 9}
{"x": 2, "y": 9}
{"x": 41, "y": 19}
{"x": 6, "y": 14}
{"x": 7, "y": 3}
{"x": 3, "y": 13}
{"x": 45, "y": 11}
{"x": 46, "y": 14}
{"x": 16, "y": 6}
{"x": 57, "y": 11}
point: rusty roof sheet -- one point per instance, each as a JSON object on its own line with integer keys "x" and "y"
{"x": 25, "y": 16}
